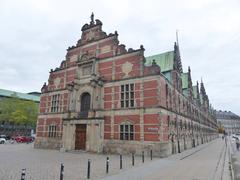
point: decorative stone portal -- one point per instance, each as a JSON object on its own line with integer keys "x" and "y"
{"x": 83, "y": 134}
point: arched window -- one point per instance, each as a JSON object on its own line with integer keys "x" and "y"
{"x": 126, "y": 131}
{"x": 85, "y": 104}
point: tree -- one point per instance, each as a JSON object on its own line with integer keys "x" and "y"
{"x": 221, "y": 130}
{"x": 16, "y": 111}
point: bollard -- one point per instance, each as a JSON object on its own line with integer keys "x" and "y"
{"x": 142, "y": 156}
{"x": 23, "y": 175}
{"x": 61, "y": 171}
{"x": 107, "y": 165}
{"x": 88, "y": 169}
{"x": 178, "y": 143}
{"x": 151, "y": 154}
{"x": 120, "y": 161}
{"x": 132, "y": 159}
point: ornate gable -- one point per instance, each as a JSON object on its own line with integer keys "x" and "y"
{"x": 92, "y": 31}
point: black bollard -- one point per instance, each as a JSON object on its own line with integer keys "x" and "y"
{"x": 179, "y": 150}
{"x": 142, "y": 156}
{"x": 107, "y": 165}
{"x": 23, "y": 175}
{"x": 61, "y": 171}
{"x": 120, "y": 161}
{"x": 88, "y": 168}
{"x": 133, "y": 159}
{"x": 151, "y": 154}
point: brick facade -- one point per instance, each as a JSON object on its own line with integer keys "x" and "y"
{"x": 126, "y": 105}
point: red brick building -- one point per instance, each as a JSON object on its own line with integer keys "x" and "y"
{"x": 104, "y": 98}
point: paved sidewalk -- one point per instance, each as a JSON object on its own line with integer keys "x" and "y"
{"x": 235, "y": 155}
{"x": 205, "y": 162}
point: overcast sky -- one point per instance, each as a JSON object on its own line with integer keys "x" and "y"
{"x": 34, "y": 36}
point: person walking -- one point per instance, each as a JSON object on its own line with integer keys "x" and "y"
{"x": 225, "y": 139}
{"x": 237, "y": 143}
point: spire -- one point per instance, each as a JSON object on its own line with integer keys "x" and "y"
{"x": 177, "y": 37}
{"x": 189, "y": 70}
{"x": 202, "y": 88}
{"x": 177, "y": 57}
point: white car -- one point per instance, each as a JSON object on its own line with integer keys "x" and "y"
{"x": 237, "y": 135}
{"x": 2, "y": 140}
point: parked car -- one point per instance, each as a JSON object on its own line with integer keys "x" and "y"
{"x": 5, "y": 137}
{"x": 237, "y": 135}
{"x": 2, "y": 140}
{"x": 23, "y": 139}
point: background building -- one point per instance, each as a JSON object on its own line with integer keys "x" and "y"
{"x": 18, "y": 112}
{"x": 229, "y": 121}
{"x": 106, "y": 98}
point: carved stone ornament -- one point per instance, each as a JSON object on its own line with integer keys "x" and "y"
{"x": 83, "y": 58}
{"x": 127, "y": 68}
{"x": 57, "y": 82}
{"x": 90, "y": 36}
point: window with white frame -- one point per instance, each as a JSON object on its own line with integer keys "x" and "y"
{"x": 126, "y": 131}
{"x": 52, "y": 131}
{"x": 55, "y": 103}
{"x": 127, "y": 95}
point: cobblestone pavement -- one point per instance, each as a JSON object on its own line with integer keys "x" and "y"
{"x": 45, "y": 164}
{"x": 205, "y": 162}
{"x": 208, "y": 161}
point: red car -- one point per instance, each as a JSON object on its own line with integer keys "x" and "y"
{"x": 23, "y": 139}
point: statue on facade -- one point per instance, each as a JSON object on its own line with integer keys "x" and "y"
{"x": 92, "y": 18}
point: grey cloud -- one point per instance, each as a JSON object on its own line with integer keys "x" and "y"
{"x": 35, "y": 34}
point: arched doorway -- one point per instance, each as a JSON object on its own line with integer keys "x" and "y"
{"x": 85, "y": 104}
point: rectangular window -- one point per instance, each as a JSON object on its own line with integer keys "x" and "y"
{"x": 126, "y": 132}
{"x": 127, "y": 95}
{"x": 55, "y": 103}
{"x": 52, "y": 131}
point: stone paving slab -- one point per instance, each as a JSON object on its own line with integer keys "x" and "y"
{"x": 45, "y": 164}
{"x": 197, "y": 163}
{"x": 205, "y": 162}
{"x": 235, "y": 155}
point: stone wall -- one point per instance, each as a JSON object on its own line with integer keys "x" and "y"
{"x": 159, "y": 149}
{"x": 48, "y": 143}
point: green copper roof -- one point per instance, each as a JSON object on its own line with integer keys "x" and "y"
{"x": 195, "y": 92}
{"x": 184, "y": 77}
{"x": 7, "y": 93}
{"x": 164, "y": 60}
